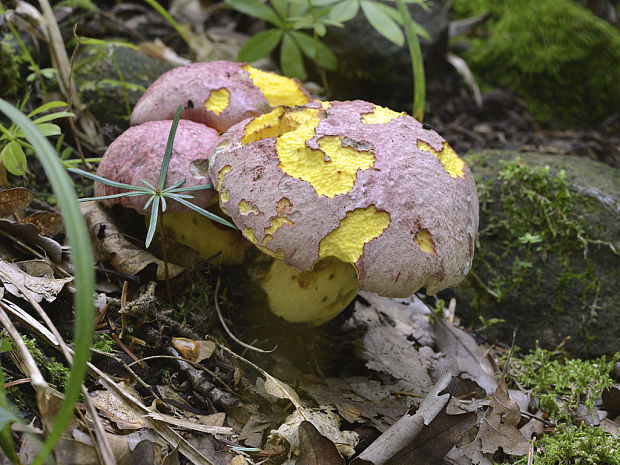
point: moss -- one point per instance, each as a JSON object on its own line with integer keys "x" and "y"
{"x": 55, "y": 371}
{"x": 556, "y": 54}
{"x": 560, "y": 383}
{"x": 584, "y": 445}
{"x": 534, "y": 215}
{"x": 104, "y": 343}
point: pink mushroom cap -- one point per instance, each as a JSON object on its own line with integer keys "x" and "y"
{"x": 138, "y": 152}
{"x": 354, "y": 181}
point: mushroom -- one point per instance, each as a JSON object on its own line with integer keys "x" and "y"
{"x": 137, "y": 155}
{"x": 217, "y": 93}
{"x": 355, "y": 183}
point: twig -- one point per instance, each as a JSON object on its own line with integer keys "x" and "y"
{"x": 232, "y": 336}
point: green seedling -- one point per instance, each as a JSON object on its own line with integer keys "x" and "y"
{"x": 290, "y": 17}
{"x": 14, "y": 144}
{"x": 157, "y": 195}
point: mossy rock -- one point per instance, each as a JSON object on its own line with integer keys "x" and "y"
{"x": 101, "y": 87}
{"x": 548, "y": 253}
{"x": 560, "y": 57}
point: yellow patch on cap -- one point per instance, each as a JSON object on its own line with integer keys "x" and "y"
{"x": 245, "y": 207}
{"x": 224, "y": 195}
{"x": 250, "y": 236}
{"x": 278, "y": 90}
{"x": 357, "y": 228}
{"x": 220, "y": 176}
{"x": 277, "y": 223}
{"x": 380, "y": 115}
{"x": 424, "y": 239}
{"x": 331, "y": 170}
{"x": 448, "y": 158}
{"x": 284, "y": 206}
{"x": 218, "y": 100}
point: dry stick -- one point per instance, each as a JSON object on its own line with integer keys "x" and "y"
{"x": 76, "y": 138}
{"x": 232, "y": 336}
{"x": 102, "y": 443}
{"x": 36, "y": 378}
{"x": 167, "y": 433}
{"x": 162, "y": 235}
{"x": 61, "y": 62}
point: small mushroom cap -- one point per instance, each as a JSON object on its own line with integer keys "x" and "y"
{"x": 353, "y": 181}
{"x": 216, "y": 93}
{"x": 138, "y": 153}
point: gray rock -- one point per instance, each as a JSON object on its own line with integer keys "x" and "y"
{"x": 375, "y": 69}
{"x": 548, "y": 253}
{"x": 99, "y": 86}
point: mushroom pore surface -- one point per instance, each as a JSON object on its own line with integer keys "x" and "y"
{"x": 355, "y": 182}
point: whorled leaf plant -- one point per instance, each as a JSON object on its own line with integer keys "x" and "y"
{"x": 158, "y": 195}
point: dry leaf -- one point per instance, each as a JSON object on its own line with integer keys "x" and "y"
{"x": 28, "y": 234}
{"x": 462, "y": 356}
{"x": 327, "y": 424}
{"x": 385, "y": 345}
{"x": 124, "y": 255}
{"x": 14, "y": 200}
{"x": 194, "y": 351}
{"x": 116, "y": 409}
{"x": 499, "y": 426}
{"x": 409, "y": 426}
{"x": 16, "y": 280}
{"x": 316, "y": 449}
{"x": 48, "y": 223}
{"x": 435, "y": 440}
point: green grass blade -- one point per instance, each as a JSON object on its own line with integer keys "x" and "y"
{"x": 417, "y": 64}
{"x": 168, "y": 153}
{"x": 82, "y": 262}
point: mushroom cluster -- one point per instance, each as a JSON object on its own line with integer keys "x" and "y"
{"x": 340, "y": 195}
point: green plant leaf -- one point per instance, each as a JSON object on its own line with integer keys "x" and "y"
{"x": 382, "y": 22}
{"x": 256, "y": 9}
{"x": 260, "y": 45}
{"x": 107, "y": 182}
{"x": 163, "y": 172}
{"x": 281, "y": 7}
{"x": 326, "y": 57}
{"x": 47, "y": 106}
{"x": 345, "y": 11}
{"x": 417, "y": 63}
{"x": 5, "y": 344}
{"x": 291, "y": 59}
{"x": 81, "y": 253}
{"x": 14, "y": 158}
{"x": 49, "y": 129}
{"x": 203, "y": 212}
{"x": 53, "y": 116}
{"x": 153, "y": 220}
{"x": 7, "y": 417}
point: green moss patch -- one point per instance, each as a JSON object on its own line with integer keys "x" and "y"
{"x": 556, "y": 54}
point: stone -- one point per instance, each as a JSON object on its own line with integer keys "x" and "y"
{"x": 99, "y": 84}
{"x": 548, "y": 252}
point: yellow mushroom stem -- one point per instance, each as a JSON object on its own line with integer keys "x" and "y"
{"x": 312, "y": 297}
